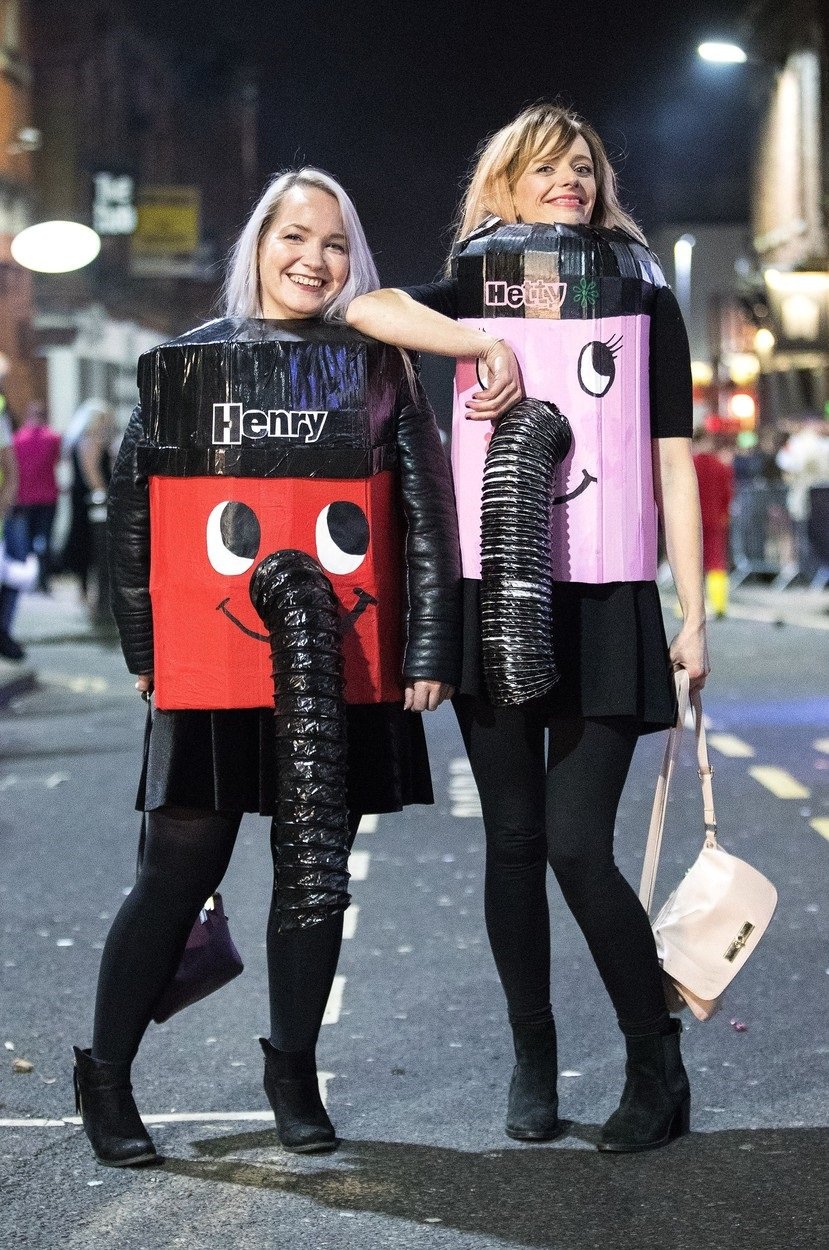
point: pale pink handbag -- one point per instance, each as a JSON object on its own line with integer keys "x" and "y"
{"x": 717, "y": 914}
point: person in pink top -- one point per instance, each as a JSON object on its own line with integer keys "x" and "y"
{"x": 38, "y": 450}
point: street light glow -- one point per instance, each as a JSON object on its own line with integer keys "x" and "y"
{"x": 722, "y": 53}
{"x": 55, "y": 246}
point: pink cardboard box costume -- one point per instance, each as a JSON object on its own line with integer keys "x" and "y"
{"x": 579, "y": 326}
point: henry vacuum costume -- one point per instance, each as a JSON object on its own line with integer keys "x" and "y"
{"x": 282, "y": 530}
{"x": 255, "y": 437}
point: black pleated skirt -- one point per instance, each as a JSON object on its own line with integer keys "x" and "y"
{"x": 226, "y": 761}
{"x": 610, "y": 648}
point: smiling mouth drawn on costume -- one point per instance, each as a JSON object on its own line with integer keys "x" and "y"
{"x": 587, "y": 478}
{"x": 347, "y": 623}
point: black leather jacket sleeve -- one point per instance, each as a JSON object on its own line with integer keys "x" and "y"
{"x": 128, "y": 550}
{"x": 432, "y": 546}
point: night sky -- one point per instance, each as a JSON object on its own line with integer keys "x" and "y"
{"x": 394, "y": 100}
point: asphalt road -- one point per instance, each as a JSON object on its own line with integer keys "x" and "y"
{"x": 417, "y": 1047}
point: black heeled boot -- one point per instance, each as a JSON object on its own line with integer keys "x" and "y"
{"x": 532, "y": 1112}
{"x": 656, "y": 1101}
{"x": 293, "y": 1091}
{"x": 104, "y": 1101}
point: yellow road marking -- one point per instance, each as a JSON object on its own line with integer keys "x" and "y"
{"x": 782, "y": 784}
{"x": 821, "y": 744}
{"x": 733, "y": 747}
{"x": 820, "y": 824}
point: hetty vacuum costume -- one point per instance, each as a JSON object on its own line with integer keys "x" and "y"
{"x": 574, "y": 302}
{"x": 271, "y": 452}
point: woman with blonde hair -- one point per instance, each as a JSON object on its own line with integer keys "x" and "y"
{"x": 546, "y": 258}
{"x": 368, "y": 437}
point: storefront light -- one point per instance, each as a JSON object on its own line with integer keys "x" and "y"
{"x": 742, "y": 407}
{"x": 721, "y": 53}
{"x": 55, "y": 246}
{"x": 764, "y": 340}
{"x": 743, "y": 367}
{"x": 702, "y": 373}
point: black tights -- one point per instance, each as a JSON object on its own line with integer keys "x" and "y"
{"x": 560, "y": 810}
{"x": 185, "y": 858}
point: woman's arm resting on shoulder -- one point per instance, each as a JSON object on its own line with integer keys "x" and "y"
{"x": 394, "y": 317}
{"x": 677, "y": 497}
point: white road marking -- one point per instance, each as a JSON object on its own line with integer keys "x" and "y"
{"x": 368, "y": 824}
{"x": 79, "y": 684}
{"x": 782, "y": 784}
{"x": 335, "y": 1001}
{"x": 25, "y": 783}
{"x": 464, "y": 800}
{"x": 350, "y": 919}
{"x": 733, "y": 747}
{"x": 358, "y": 865}
{"x": 176, "y": 1117}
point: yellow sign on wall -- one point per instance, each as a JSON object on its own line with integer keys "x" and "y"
{"x": 168, "y": 221}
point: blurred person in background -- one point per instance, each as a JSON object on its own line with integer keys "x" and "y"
{"x": 38, "y": 451}
{"x": 10, "y": 649}
{"x": 88, "y": 445}
{"x": 715, "y": 478}
{"x": 804, "y": 459}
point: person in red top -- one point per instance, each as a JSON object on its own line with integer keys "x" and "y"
{"x": 715, "y": 478}
{"x": 38, "y": 450}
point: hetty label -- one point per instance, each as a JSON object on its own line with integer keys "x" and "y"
{"x": 534, "y": 294}
{"x": 232, "y": 423}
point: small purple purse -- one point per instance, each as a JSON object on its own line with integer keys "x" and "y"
{"x": 210, "y": 957}
{"x": 209, "y": 961}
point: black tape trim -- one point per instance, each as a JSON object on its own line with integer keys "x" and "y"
{"x": 330, "y": 462}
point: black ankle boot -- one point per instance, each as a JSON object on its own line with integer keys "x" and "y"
{"x": 104, "y": 1101}
{"x": 293, "y": 1091}
{"x": 656, "y": 1100}
{"x": 532, "y": 1113}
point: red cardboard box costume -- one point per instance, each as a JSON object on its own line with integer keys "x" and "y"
{"x": 256, "y": 437}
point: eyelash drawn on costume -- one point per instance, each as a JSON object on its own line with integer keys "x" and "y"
{"x": 596, "y": 367}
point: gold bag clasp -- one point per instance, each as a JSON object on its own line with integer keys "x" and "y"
{"x": 739, "y": 942}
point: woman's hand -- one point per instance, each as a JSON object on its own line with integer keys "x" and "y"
{"x": 144, "y": 685}
{"x": 426, "y": 696}
{"x": 689, "y": 650}
{"x": 503, "y": 387}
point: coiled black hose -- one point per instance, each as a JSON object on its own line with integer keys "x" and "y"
{"x": 295, "y": 600}
{"x": 528, "y": 444}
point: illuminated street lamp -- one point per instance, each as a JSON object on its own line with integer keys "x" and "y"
{"x": 721, "y": 53}
{"x": 55, "y": 246}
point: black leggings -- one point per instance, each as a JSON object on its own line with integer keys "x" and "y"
{"x": 186, "y": 855}
{"x": 560, "y": 810}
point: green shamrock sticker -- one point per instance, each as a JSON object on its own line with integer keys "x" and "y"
{"x": 586, "y": 293}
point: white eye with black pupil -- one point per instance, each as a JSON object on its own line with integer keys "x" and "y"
{"x": 342, "y": 537}
{"x": 597, "y": 368}
{"x": 233, "y": 537}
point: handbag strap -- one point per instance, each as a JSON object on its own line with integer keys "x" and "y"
{"x": 663, "y": 784}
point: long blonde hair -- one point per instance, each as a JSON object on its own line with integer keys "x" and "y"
{"x": 504, "y": 157}
{"x": 241, "y": 288}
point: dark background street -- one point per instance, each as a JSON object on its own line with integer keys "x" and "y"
{"x": 419, "y": 1055}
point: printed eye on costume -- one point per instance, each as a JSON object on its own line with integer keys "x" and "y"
{"x": 597, "y": 372}
{"x": 233, "y": 537}
{"x": 342, "y": 536}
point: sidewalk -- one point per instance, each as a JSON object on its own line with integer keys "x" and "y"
{"x": 61, "y": 617}
{"x": 41, "y": 619}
